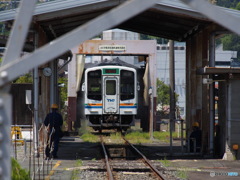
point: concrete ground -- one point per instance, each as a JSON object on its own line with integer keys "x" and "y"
{"x": 73, "y": 149}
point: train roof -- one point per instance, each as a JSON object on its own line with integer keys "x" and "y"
{"x": 114, "y": 62}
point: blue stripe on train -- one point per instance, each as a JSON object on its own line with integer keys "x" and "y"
{"x": 93, "y": 107}
{"x": 128, "y": 106}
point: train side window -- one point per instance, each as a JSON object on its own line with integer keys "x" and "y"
{"x": 126, "y": 85}
{"x": 110, "y": 87}
{"x": 94, "y": 85}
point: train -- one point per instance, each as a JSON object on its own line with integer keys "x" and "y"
{"x": 111, "y": 96}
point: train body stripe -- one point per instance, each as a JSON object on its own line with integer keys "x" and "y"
{"x": 93, "y": 105}
{"x": 128, "y": 106}
{"x": 88, "y": 107}
{"x": 122, "y": 105}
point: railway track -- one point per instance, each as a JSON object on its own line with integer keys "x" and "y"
{"x": 127, "y": 162}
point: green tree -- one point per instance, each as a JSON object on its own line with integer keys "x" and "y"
{"x": 227, "y": 3}
{"x": 63, "y": 83}
{"x": 232, "y": 41}
{"x": 27, "y": 78}
{"x": 163, "y": 94}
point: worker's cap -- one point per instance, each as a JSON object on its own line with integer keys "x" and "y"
{"x": 54, "y": 106}
{"x": 195, "y": 124}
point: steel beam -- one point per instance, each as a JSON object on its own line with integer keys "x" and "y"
{"x": 13, "y": 51}
{"x": 41, "y": 56}
{"x": 5, "y": 126}
{"x": 215, "y": 13}
{"x": 19, "y": 31}
{"x": 14, "y": 67}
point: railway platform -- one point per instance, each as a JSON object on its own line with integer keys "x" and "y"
{"x": 83, "y": 160}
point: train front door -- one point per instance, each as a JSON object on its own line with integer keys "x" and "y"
{"x": 110, "y": 94}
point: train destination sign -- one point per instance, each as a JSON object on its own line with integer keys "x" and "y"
{"x": 112, "y": 48}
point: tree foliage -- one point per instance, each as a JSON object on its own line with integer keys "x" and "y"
{"x": 228, "y": 3}
{"x": 231, "y": 41}
{"x": 163, "y": 94}
{"x": 18, "y": 173}
{"x": 27, "y": 78}
{"x": 63, "y": 90}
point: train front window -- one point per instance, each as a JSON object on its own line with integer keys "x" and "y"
{"x": 94, "y": 89}
{"x": 126, "y": 85}
{"x": 110, "y": 87}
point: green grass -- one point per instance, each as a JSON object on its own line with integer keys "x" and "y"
{"x": 79, "y": 162}
{"x": 138, "y": 137}
{"x": 75, "y": 173}
{"x": 18, "y": 173}
{"x": 116, "y": 137}
{"x": 181, "y": 174}
{"x": 164, "y": 136}
{"x": 88, "y": 137}
{"x": 166, "y": 162}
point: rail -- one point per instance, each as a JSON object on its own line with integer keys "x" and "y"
{"x": 145, "y": 160}
{"x": 109, "y": 171}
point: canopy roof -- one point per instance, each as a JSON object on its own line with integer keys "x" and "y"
{"x": 170, "y": 19}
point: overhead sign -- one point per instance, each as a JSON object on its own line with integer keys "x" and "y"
{"x": 112, "y": 48}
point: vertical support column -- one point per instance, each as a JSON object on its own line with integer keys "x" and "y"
{"x": 191, "y": 89}
{"x": 211, "y": 93}
{"x": 172, "y": 90}
{"x": 73, "y": 86}
{"x": 5, "y": 124}
{"x": 188, "y": 84}
{"x": 53, "y": 83}
{"x": 203, "y": 45}
{"x": 36, "y": 80}
{"x": 152, "y": 78}
{"x": 36, "y": 93}
{"x": 197, "y": 99}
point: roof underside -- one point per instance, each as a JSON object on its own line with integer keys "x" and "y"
{"x": 167, "y": 19}
{"x": 163, "y": 20}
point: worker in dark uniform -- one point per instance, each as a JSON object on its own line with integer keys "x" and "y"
{"x": 54, "y": 122}
{"x": 196, "y": 138}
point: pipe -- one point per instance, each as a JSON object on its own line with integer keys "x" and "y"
{"x": 36, "y": 81}
{"x": 36, "y": 111}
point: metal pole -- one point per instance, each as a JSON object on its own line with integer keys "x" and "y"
{"x": 151, "y": 113}
{"x": 36, "y": 111}
{"x": 53, "y": 83}
{"x": 5, "y": 123}
{"x": 52, "y": 99}
{"x": 172, "y": 90}
{"x": 182, "y": 134}
{"x": 55, "y": 72}
{"x": 35, "y": 89}
{"x": 12, "y": 52}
